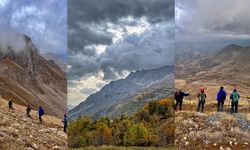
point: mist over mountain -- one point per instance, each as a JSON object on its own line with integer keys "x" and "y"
{"x": 27, "y": 78}
{"x": 127, "y": 95}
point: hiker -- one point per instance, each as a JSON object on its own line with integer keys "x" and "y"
{"x": 235, "y": 96}
{"x": 28, "y": 110}
{"x": 10, "y": 105}
{"x": 40, "y": 113}
{"x": 201, "y": 100}
{"x": 179, "y": 95}
{"x": 65, "y": 123}
{"x": 221, "y": 97}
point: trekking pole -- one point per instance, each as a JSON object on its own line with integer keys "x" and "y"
{"x": 190, "y": 103}
{"x": 248, "y": 99}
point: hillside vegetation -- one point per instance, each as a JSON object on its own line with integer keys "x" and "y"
{"x": 153, "y": 126}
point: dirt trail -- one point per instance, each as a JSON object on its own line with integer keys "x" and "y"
{"x": 17, "y": 131}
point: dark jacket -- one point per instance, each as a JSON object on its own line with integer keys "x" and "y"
{"x": 40, "y": 111}
{"x": 231, "y": 96}
{"x": 65, "y": 121}
{"x": 179, "y": 97}
{"x": 221, "y": 95}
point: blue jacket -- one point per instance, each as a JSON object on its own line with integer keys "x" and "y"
{"x": 40, "y": 111}
{"x": 221, "y": 96}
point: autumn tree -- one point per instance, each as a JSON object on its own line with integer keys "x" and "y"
{"x": 102, "y": 134}
{"x": 137, "y": 136}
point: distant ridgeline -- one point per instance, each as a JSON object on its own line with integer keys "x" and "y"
{"x": 128, "y": 95}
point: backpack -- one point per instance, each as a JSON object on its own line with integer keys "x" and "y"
{"x": 223, "y": 95}
{"x": 202, "y": 97}
{"x": 235, "y": 97}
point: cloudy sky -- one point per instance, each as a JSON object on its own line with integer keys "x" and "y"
{"x": 110, "y": 38}
{"x": 226, "y": 21}
{"x": 45, "y": 21}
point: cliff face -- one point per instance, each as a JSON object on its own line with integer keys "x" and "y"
{"x": 27, "y": 78}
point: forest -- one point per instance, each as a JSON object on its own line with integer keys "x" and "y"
{"x": 152, "y": 126}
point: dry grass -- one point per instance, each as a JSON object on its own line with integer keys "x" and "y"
{"x": 125, "y": 148}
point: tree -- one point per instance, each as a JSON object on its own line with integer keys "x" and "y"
{"x": 152, "y": 107}
{"x": 137, "y": 136}
{"x": 77, "y": 132}
{"x": 102, "y": 134}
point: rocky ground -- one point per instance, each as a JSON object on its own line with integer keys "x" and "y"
{"x": 19, "y": 132}
{"x": 212, "y": 130}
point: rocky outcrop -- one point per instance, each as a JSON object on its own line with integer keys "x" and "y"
{"x": 212, "y": 131}
{"x": 27, "y": 78}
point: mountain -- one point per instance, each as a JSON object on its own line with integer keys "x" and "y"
{"x": 57, "y": 59}
{"x": 228, "y": 67}
{"x": 27, "y": 78}
{"x": 229, "y": 62}
{"x": 17, "y": 131}
{"x": 127, "y": 94}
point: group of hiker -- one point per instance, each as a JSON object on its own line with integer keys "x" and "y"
{"x": 221, "y": 97}
{"x": 40, "y": 114}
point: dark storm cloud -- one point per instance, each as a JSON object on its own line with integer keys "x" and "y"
{"x": 85, "y": 35}
{"x": 90, "y": 11}
{"x": 44, "y": 21}
{"x": 213, "y": 19}
{"x": 130, "y": 54}
{"x": 83, "y": 15}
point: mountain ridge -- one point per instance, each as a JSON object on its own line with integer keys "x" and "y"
{"x": 116, "y": 92}
{"x": 27, "y": 78}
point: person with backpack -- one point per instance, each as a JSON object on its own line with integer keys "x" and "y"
{"x": 235, "y": 96}
{"x": 201, "y": 100}
{"x": 221, "y": 97}
{"x": 10, "y": 105}
{"x": 28, "y": 110}
{"x": 40, "y": 113}
{"x": 179, "y": 95}
{"x": 65, "y": 123}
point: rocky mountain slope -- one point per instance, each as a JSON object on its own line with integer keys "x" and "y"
{"x": 127, "y": 95}
{"x": 212, "y": 131}
{"x": 27, "y": 78}
{"x": 19, "y": 132}
{"x": 57, "y": 60}
{"x": 227, "y": 66}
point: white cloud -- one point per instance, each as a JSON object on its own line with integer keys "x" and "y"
{"x": 75, "y": 96}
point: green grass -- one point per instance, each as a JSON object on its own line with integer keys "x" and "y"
{"x": 124, "y": 148}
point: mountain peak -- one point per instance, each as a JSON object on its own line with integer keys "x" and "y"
{"x": 232, "y": 47}
{"x": 28, "y": 78}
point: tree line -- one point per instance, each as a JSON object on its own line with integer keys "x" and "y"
{"x": 152, "y": 125}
